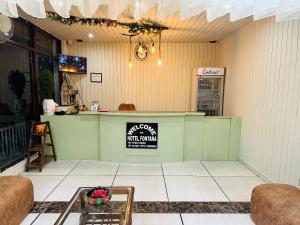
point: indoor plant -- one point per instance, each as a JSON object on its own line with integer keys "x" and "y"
{"x": 17, "y": 83}
{"x": 46, "y": 90}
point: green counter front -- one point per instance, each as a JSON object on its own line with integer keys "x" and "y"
{"x": 180, "y": 136}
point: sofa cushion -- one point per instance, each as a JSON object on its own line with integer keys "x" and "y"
{"x": 16, "y": 199}
{"x": 275, "y": 204}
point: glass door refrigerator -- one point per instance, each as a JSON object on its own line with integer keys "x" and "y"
{"x": 210, "y": 91}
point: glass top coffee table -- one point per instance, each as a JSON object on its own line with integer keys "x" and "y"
{"x": 116, "y": 212}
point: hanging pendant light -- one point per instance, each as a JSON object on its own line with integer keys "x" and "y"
{"x": 129, "y": 61}
{"x": 159, "y": 61}
{"x": 152, "y": 49}
{"x": 141, "y": 46}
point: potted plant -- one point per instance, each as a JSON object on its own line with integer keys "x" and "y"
{"x": 17, "y": 83}
{"x": 46, "y": 90}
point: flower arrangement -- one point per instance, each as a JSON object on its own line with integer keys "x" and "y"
{"x": 98, "y": 196}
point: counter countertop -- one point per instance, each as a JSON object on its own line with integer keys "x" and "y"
{"x": 134, "y": 113}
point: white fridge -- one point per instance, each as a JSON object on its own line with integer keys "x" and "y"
{"x": 208, "y": 93}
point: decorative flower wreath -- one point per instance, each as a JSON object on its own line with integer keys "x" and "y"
{"x": 98, "y": 196}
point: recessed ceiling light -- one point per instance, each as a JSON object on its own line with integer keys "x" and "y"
{"x": 91, "y": 35}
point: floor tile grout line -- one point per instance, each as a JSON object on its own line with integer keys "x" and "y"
{"x": 35, "y": 218}
{"x": 215, "y": 181}
{"x": 185, "y": 176}
{"x": 162, "y": 170}
{"x": 138, "y": 175}
{"x": 181, "y": 219}
{"x": 73, "y": 168}
{"x": 235, "y": 176}
{"x": 115, "y": 174}
{"x": 65, "y": 176}
{"x": 54, "y": 189}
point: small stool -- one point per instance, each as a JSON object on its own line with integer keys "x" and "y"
{"x": 40, "y": 130}
{"x": 275, "y": 204}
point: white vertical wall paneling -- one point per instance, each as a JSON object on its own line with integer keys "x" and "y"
{"x": 294, "y": 165}
{"x": 263, "y": 88}
{"x": 148, "y": 86}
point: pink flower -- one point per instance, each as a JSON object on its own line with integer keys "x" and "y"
{"x": 105, "y": 199}
{"x": 91, "y": 201}
{"x": 100, "y": 193}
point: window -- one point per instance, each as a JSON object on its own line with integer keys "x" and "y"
{"x": 22, "y": 58}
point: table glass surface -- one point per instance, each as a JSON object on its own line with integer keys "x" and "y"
{"x": 116, "y": 212}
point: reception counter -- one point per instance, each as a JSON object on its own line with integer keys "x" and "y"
{"x": 176, "y": 136}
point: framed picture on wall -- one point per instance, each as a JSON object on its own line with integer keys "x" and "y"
{"x": 96, "y": 77}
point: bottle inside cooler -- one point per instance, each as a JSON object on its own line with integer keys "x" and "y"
{"x": 209, "y": 96}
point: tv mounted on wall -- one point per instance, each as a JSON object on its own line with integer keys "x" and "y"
{"x": 72, "y": 64}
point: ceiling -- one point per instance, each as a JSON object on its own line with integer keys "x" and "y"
{"x": 194, "y": 29}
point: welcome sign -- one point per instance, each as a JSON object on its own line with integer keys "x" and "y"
{"x": 141, "y": 135}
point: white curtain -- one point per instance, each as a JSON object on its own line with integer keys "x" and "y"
{"x": 290, "y": 9}
{"x": 35, "y": 8}
{"x": 9, "y": 8}
{"x": 116, "y": 7}
{"x": 237, "y": 9}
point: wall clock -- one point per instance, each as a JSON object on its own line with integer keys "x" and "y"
{"x": 141, "y": 52}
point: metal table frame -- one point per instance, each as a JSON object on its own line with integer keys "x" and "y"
{"x": 118, "y": 190}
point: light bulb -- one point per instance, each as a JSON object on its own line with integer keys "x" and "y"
{"x": 91, "y": 35}
{"x": 129, "y": 64}
{"x": 152, "y": 49}
{"x": 159, "y": 62}
{"x": 140, "y": 49}
{"x": 60, "y": 3}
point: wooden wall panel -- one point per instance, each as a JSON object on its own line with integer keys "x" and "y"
{"x": 263, "y": 88}
{"x": 148, "y": 86}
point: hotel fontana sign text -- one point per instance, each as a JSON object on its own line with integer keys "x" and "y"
{"x": 141, "y": 135}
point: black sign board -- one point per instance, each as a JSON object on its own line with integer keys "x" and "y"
{"x": 141, "y": 135}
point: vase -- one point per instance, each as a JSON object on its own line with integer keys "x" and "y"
{"x": 49, "y": 106}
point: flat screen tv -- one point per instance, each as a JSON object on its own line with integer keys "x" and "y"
{"x": 72, "y": 64}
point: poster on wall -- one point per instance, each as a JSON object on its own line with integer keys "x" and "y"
{"x": 141, "y": 135}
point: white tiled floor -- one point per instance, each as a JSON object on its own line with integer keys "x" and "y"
{"x": 29, "y": 218}
{"x": 193, "y": 188}
{"x": 189, "y": 168}
{"x": 227, "y": 168}
{"x": 70, "y": 184}
{"x": 139, "y": 169}
{"x": 156, "y": 219}
{"x": 94, "y": 167}
{"x": 46, "y": 219}
{"x": 44, "y": 185}
{"x": 61, "y": 167}
{"x": 238, "y": 189}
{"x": 217, "y": 219}
{"x": 147, "y": 188}
{"x": 152, "y": 219}
{"x": 182, "y": 181}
